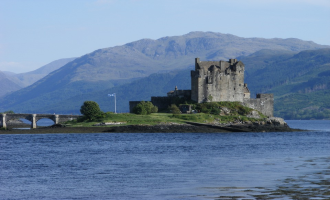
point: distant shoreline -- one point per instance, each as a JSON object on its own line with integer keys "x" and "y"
{"x": 177, "y": 128}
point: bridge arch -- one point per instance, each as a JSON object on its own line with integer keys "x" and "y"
{"x": 45, "y": 121}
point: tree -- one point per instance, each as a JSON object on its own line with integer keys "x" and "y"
{"x": 154, "y": 109}
{"x": 90, "y": 109}
{"x": 8, "y": 112}
{"x": 140, "y": 109}
{"x": 145, "y": 108}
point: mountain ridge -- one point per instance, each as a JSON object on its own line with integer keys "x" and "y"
{"x": 28, "y": 78}
{"x": 105, "y": 68}
{"x": 287, "y": 95}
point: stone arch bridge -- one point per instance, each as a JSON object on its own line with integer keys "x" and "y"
{"x": 34, "y": 118}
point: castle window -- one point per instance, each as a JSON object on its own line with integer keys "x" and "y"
{"x": 234, "y": 88}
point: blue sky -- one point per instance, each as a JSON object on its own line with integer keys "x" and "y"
{"x": 36, "y": 32}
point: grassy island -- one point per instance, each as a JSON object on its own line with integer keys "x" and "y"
{"x": 220, "y": 113}
{"x": 209, "y": 117}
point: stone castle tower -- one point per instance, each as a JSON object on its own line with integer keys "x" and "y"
{"x": 218, "y": 81}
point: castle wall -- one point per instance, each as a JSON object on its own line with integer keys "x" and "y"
{"x": 223, "y": 81}
{"x": 180, "y": 93}
{"x": 216, "y": 81}
{"x": 263, "y": 103}
{"x": 161, "y": 102}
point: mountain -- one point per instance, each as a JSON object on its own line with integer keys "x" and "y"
{"x": 6, "y": 85}
{"x": 300, "y": 83}
{"x": 157, "y": 84}
{"x": 294, "y": 73}
{"x": 28, "y": 78}
{"x": 109, "y": 67}
{"x": 305, "y": 96}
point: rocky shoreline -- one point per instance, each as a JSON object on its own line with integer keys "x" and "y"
{"x": 161, "y": 128}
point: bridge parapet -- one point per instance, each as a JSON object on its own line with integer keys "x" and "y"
{"x": 34, "y": 118}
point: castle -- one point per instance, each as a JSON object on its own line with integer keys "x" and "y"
{"x": 215, "y": 81}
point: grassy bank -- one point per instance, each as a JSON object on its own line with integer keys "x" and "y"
{"x": 160, "y": 118}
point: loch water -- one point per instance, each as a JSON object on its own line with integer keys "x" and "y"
{"x": 167, "y": 166}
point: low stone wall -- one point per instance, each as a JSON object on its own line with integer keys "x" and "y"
{"x": 161, "y": 102}
{"x": 263, "y": 103}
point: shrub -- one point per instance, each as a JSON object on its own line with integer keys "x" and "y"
{"x": 215, "y": 111}
{"x": 145, "y": 108}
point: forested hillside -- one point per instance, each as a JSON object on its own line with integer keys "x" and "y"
{"x": 300, "y": 83}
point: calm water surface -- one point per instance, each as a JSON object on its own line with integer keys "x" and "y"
{"x": 161, "y": 166}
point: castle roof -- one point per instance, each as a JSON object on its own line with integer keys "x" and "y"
{"x": 207, "y": 64}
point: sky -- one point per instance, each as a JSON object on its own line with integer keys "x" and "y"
{"x": 36, "y": 32}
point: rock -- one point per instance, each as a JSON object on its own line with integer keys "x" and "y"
{"x": 253, "y": 114}
{"x": 225, "y": 110}
{"x": 276, "y": 121}
{"x": 108, "y": 123}
{"x": 99, "y": 124}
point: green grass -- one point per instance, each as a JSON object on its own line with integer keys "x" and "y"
{"x": 209, "y": 114}
{"x": 158, "y": 118}
{"x": 132, "y": 119}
